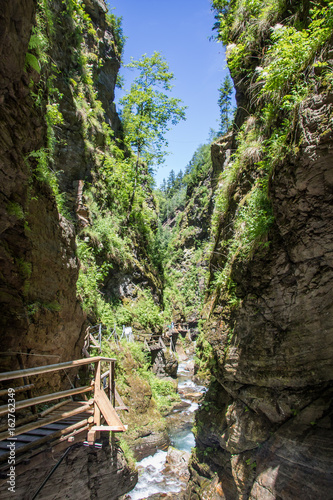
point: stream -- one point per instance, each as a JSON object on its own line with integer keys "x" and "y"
{"x": 165, "y": 471}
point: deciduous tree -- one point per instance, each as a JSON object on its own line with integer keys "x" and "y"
{"x": 148, "y": 111}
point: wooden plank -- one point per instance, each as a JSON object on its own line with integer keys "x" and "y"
{"x": 37, "y": 432}
{"x": 55, "y": 407}
{"x": 97, "y": 386}
{"x": 96, "y": 344}
{"x": 51, "y": 368}
{"x": 74, "y": 434}
{"x": 26, "y": 438}
{"x": 43, "y": 399}
{"x": 109, "y": 413}
{"x": 120, "y": 402}
{"x": 109, "y": 428}
{"x": 112, "y": 384}
{"x": 42, "y": 422}
{"x": 45, "y": 439}
{"x": 91, "y": 436}
{"x": 22, "y": 421}
{"x": 53, "y": 427}
{"x": 3, "y": 445}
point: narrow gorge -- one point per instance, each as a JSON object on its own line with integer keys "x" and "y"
{"x": 226, "y": 267}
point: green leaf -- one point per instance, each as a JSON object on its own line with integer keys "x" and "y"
{"x": 31, "y": 60}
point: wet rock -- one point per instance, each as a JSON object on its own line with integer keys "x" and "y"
{"x": 177, "y": 458}
{"x": 192, "y": 396}
{"x": 177, "y": 463}
{"x": 148, "y": 444}
{"x": 180, "y": 421}
{"x": 84, "y": 473}
{"x": 180, "y": 406}
{"x": 165, "y": 364}
{"x": 182, "y": 356}
{"x": 170, "y": 496}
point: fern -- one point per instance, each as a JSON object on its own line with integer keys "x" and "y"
{"x": 31, "y": 60}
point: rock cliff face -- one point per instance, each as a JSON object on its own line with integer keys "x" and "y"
{"x": 42, "y": 138}
{"x": 41, "y": 316}
{"x": 84, "y": 473}
{"x": 40, "y": 312}
{"x": 57, "y": 122}
{"x": 264, "y": 430}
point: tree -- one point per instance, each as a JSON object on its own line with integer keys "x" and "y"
{"x": 224, "y": 102}
{"x": 171, "y": 182}
{"x": 163, "y": 186}
{"x": 179, "y": 181}
{"x": 147, "y": 111}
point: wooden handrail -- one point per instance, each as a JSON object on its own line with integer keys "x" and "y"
{"x": 46, "y": 421}
{"x": 48, "y": 397}
{"x": 102, "y": 404}
{"x": 22, "y": 388}
{"x": 51, "y": 368}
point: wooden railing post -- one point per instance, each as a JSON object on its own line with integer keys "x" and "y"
{"x": 112, "y": 383}
{"x": 102, "y": 405}
{"x": 97, "y": 411}
{"x": 92, "y": 435}
{"x": 100, "y": 337}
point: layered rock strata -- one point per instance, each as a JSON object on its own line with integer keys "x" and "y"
{"x": 84, "y": 473}
{"x": 40, "y": 314}
{"x": 264, "y": 430}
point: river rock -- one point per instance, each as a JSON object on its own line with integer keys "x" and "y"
{"x": 193, "y": 396}
{"x": 180, "y": 406}
{"x": 180, "y": 421}
{"x": 178, "y": 459}
{"x": 148, "y": 444}
{"x": 165, "y": 364}
{"x": 170, "y": 496}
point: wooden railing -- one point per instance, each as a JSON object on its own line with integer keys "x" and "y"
{"x": 151, "y": 341}
{"x": 103, "y": 404}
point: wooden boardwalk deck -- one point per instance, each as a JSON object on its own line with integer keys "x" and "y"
{"x": 48, "y": 428}
{"x": 67, "y": 420}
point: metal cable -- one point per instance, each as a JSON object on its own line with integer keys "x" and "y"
{"x": 52, "y": 471}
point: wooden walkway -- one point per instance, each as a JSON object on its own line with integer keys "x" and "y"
{"x": 67, "y": 420}
{"x": 152, "y": 342}
{"x": 49, "y": 428}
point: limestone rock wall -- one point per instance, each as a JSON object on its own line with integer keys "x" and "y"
{"x": 39, "y": 311}
{"x": 41, "y": 318}
{"x": 84, "y": 473}
{"x": 264, "y": 430}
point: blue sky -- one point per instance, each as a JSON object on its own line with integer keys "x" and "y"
{"x": 180, "y": 30}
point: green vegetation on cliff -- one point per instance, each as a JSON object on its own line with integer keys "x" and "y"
{"x": 117, "y": 234}
{"x": 185, "y": 203}
{"x": 291, "y": 57}
{"x": 148, "y": 398}
{"x": 280, "y": 57}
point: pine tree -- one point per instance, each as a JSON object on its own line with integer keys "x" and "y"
{"x": 171, "y": 182}
{"x": 224, "y": 102}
